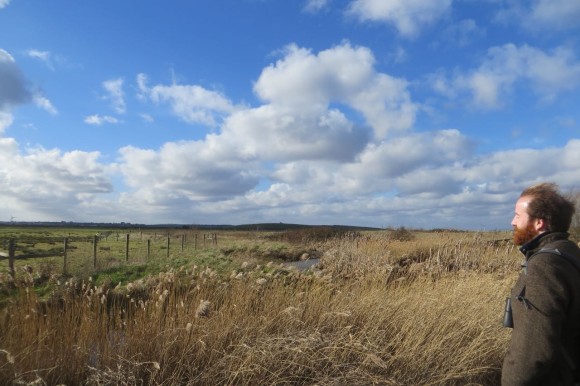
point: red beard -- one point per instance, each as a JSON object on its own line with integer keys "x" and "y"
{"x": 522, "y": 236}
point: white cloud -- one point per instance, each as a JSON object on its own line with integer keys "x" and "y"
{"x": 187, "y": 172}
{"x": 386, "y": 104}
{"x": 43, "y": 56}
{"x": 511, "y": 170}
{"x": 395, "y": 158}
{"x": 114, "y": 88}
{"x": 295, "y": 126}
{"x": 505, "y": 67}
{"x": 305, "y": 153}
{"x": 147, "y": 117}
{"x": 192, "y": 104}
{"x": 304, "y": 82}
{"x": 49, "y": 184}
{"x": 272, "y": 132}
{"x": 428, "y": 183}
{"x": 45, "y": 104}
{"x": 37, "y": 54}
{"x": 99, "y": 120}
{"x": 4, "y": 3}
{"x": 407, "y": 16}
{"x": 142, "y": 88}
{"x": 314, "y": 6}
{"x": 432, "y": 178}
{"x": 395, "y": 164}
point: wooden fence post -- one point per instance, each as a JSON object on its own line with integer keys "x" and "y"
{"x": 182, "y": 242}
{"x": 148, "y": 248}
{"x": 64, "y": 254}
{"x": 11, "y": 253}
{"x": 195, "y": 241}
{"x": 168, "y": 238}
{"x": 95, "y": 238}
{"x": 127, "y": 247}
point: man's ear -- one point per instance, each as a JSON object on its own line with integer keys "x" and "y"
{"x": 540, "y": 225}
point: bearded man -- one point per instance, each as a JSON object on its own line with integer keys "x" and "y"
{"x": 545, "y": 301}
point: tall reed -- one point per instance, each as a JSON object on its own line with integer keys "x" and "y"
{"x": 356, "y": 321}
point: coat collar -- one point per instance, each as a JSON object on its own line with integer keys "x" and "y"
{"x": 540, "y": 241}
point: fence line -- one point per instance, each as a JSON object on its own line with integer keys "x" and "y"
{"x": 11, "y": 247}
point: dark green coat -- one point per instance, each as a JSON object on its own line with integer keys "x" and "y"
{"x": 546, "y": 316}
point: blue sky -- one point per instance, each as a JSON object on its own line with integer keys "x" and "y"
{"x": 423, "y": 113}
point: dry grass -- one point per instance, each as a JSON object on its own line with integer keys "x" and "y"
{"x": 380, "y": 312}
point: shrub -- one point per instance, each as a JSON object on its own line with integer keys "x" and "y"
{"x": 401, "y": 234}
{"x": 316, "y": 235}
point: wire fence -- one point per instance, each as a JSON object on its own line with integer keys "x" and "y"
{"x": 103, "y": 250}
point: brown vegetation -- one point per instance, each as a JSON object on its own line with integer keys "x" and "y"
{"x": 380, "y": 310}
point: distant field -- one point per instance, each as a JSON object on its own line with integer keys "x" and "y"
{"x": 93, "y": 250}
{"x": 391, "y": 307}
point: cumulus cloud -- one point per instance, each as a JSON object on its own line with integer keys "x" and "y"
{"x": 99, "y": 120}
{"x": 188, "y": 171}
{"x": 407, "y": 16}
{"x": 443, "y": 183}
{"x": 50, "y": 184}
{"x": 381, "y": 167}
{"x": 303, "y": 133}
{"x": 305, "y": 115}
{"x": 343, "y": 74}
{"x": 302, "y": 79}
{"x": 330, "y": 138}
{"x": 297, "y": 123}
{"x": 386, "y": 104}
{"x": 276, "y": 133}
{"x": 190, "y": 103}
{"x": 429, "y": 183}
{"x": 548, "y": 74}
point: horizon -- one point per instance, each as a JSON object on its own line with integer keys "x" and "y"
{"x": 427, "y": 114}
{"x": 280, "y": 225}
